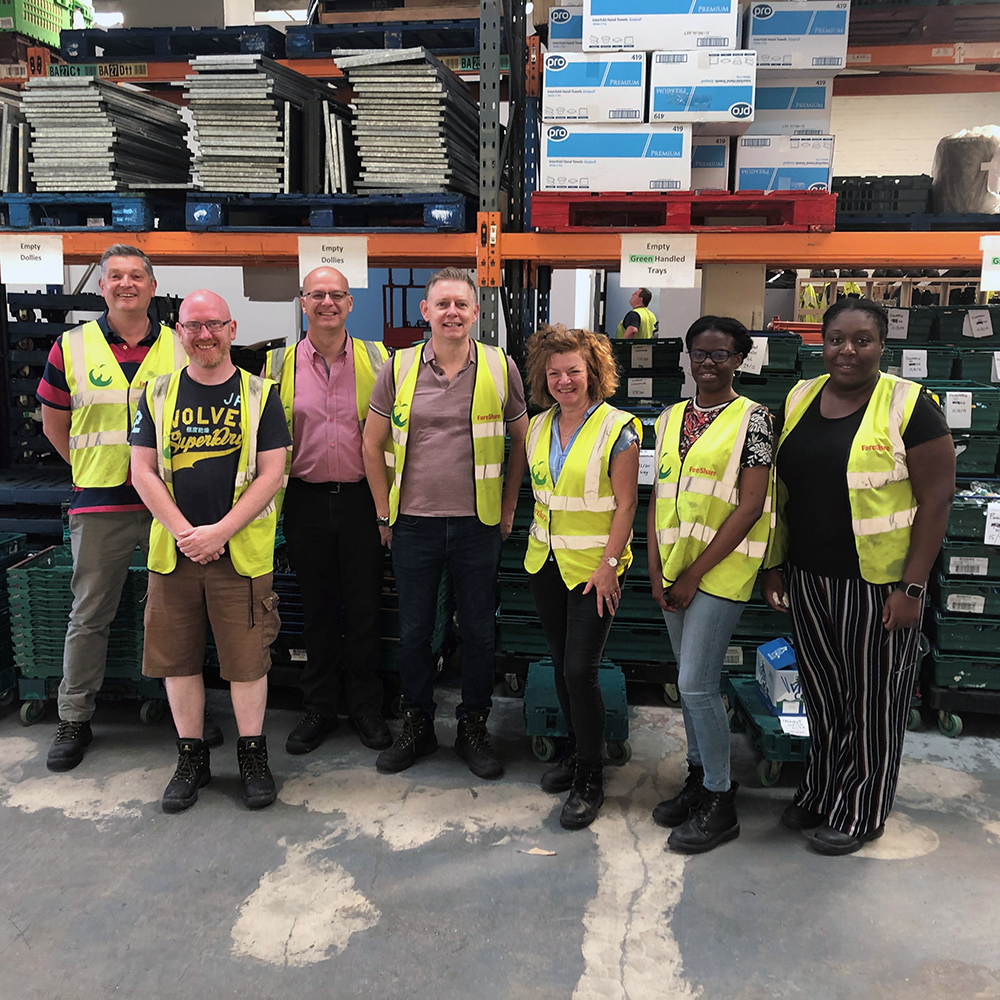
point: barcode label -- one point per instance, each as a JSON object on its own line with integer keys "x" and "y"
{"x": 298, "y": 655}
{"x": 746, "y": 143}
{"x": 623, "y": 113}
{"x": 713, "y": 43}
{"x": 967, "y": 603}
{"x": 734, "y": 657}
{"x": 7, "y": 23}
{"x": 664, "y": 185}
{"x": 968, "y": 566}
{"x": 827, "y": 61}
{"x": 672, "y": 57}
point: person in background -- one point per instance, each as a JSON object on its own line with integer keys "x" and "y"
{"x": 92, "y": 381}
{"x": 446, "y": 404}
{"x": 583, "y": 455}
{"x": 639, "y": 322}
{"x": 208, "y": 456}
{"x": 325, "y": 381}
{"x": 708, "y": 523}
{"x": 866, "y": 475}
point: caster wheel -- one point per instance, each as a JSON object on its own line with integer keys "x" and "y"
{"x": 543, "y": 747}
{"x": 671, "y": 695}
{"x": 396, "y": 707}
{"x": 513, "y": 685}
{"x": 7, "y": 697}
{"x": 950, "y": 724}
{"x": 152, "y": 711}
{"x": 768, "y": 772}
{"x": 619, "y": 752}
{"x": 913, "y": 720}
{"x": 32, "y": 712}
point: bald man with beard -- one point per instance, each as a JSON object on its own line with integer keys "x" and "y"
{"x": 208, "y": 456}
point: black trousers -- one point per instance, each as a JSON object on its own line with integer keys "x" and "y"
{"x": 335, "y": 550}
{"x": 576, "y": 637}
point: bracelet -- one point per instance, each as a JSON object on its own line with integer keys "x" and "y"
{"x": 382, "y": 522}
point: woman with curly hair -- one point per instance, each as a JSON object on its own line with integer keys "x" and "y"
{"x": 583, "y": 456}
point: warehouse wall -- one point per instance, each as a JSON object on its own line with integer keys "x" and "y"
{"x": 898, "y": 134}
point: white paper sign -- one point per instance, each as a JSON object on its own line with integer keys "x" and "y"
{"x": 992, "y": 536}
{"x": 642, "y": 355}
{"x": 899, "y": 324}
{"x": 647, "y": 467}
{"x": 658, "y": 260}
{"x": 894, "y": 370}
{"x": 733, "y": 657}
{"x": 31, "y": 259}
{"x": 978, "y": 323}
{"x": 995, "y": 373}
{"x": 990, "y": 280}
{"x": 969, "y": 604}
{"x": 968, "y": 566}
{"x": 958, "y": 409}
{"x": 640, "y": 387}
{"x": 348, "y": 254}
{"x": 914, "y": 364}
{"x": 794, "y": 725}
{"x": 757, "y": 358}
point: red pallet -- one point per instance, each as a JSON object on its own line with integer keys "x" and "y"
{"x": 683, "y": 211}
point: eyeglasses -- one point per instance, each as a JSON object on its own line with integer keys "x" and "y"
{"x": 319, "y": 297}
{"x": 212, "y": 325}
{"x": 720, "y": 357}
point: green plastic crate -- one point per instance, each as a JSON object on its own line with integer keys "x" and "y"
{"x": 544, "y": 717}
{"x": 639, "y": 356}
{"x": 969, "y": 559}
{"x": 955, "y": 596}
{"x": 520, "y": 634}
{"x": 949, "y": 325}
{"x": 967, "y": 519}
{"x": 940, "y": 360}
{"x": 764, "y": 729}
{"x": 39, "y": 19}
{"x": 782, "y": 351}
{"x": 770, "y": 390}
{"x": 976, "y": 363}
{"x": 965, "y": 634}
{"x": 920, "y": 324}
{"x": 966, "y": 670}
{"x": 985, "y": 415}
{"x": 666, "y": 387}
{"x": 976, "y": 454}
{"x": 636, "y": 605}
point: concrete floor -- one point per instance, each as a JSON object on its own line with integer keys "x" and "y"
{"x": 416, "y": 886}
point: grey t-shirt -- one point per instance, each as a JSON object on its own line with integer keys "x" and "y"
{"x": 438, "y": 478}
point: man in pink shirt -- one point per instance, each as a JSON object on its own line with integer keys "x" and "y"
{"x": 333, "y": 539}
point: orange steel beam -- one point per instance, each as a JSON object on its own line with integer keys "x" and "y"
{"x": 943, "y": 54}
{"x": 916, "y": 83}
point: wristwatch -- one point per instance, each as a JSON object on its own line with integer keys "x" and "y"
{"x": 382, "y": 522}
{"x": 613, "y": 563}
{"x": 913, "y": 590}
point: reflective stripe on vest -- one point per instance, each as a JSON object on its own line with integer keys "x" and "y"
{"x": 251, "y": 549}
{"x": 878, "y": 485}
{"x": 648, "y": 325}
{"x": 489, "y": 397}
{"x": 695, "y": 497}
{"x": 573, "y": 516}
{"x": 103, "y": 403}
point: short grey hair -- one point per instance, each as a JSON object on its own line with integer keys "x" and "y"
{"x": 451, "y": 274}
{"x": 125, "y": 250}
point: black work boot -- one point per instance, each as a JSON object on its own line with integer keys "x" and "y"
{"x": 309, "y": 733}
{"x": 673, "y": 812}
{"x": 585, "y": 797}
{"x": 559, "y": 778}
{"x": 714, "y": 822}
{"x": 72, "y": 739}
{"x": 417, "y": 739}
{"x": 192, "y": 773}
{"x": 258, "y": 782}
{"x": 472, "y": 744}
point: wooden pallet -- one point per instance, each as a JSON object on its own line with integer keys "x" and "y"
{"x": 170, "y": 43}
{"x": 441, "y": 37}
{"x": 683, "y": 211}
{"x": 108, "y": 210}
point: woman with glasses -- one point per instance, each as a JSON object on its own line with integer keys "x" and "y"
{"x": 708, "y": 525}
{"x": 583, "y": 455}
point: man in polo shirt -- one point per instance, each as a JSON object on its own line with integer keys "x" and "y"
{"x": 333, "y": 540}
{"x": 445, "y": 404}
{"x": 89, "y": 390}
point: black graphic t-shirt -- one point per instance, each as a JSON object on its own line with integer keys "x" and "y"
{"x": 206, "y": 440}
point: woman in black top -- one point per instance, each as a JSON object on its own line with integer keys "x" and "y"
{"x": 866, "y": 471}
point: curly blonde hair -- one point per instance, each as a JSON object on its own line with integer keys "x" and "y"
{"x": 594, "y": 348}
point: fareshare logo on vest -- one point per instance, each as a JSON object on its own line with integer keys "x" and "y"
{"x": 539, "y": 474}
{"x": 401, "y": 415}
{"x": 98, "y": 379}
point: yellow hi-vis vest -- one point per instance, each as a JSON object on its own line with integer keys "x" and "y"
{"x": 573, "y": 515}
{"x": 647, "y": 325}
{"x": 252, "y": 548}
{"x": 695, "y": 497}
{"x": 280, "y": 366}
{"x": 103, "y": 403}
{"x": 878, "y": 484}
{"x": 489, "y": 397}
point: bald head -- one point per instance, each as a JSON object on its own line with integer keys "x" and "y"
{"x": 319, "y": 276}
{"x": 326, "y": 302}
{"x": 207, "y": 331}
{"x": 204, "y": 299}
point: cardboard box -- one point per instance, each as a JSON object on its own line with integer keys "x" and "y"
{"x": 594, "y": 87}
{"x": 784, "y": 162}
{"x": 799, "y": 34}
{"x": 646, "y": 25}
{"x": 710, "y": 163}
{"x": 788, "y": 104}
{"x": 566, "y": 28}
{"x": 703, "y": 86}
{"x": 778, "y": 678}
{"x": 616, "y": 158}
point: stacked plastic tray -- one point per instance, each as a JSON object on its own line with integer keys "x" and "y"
{"x": 12, "y": 550}
{"x": 651, "y": 376}
{"x": 777, "y": 373}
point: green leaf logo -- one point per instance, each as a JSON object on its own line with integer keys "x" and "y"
{"x": 400, "y": 416}
{"x": 99, "y": 380}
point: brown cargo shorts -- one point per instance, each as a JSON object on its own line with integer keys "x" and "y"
{"x": 243, "y": 613}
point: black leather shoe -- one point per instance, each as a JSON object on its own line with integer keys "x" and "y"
{"x": 258, "y": 782}
{"x": 373, "y": 731}
{"x": 826, "y": 840}
{"x": 673, "y": 812}
{"x": 585, "y": 798}
{"x": 713, "y": 822}
{"x": 211, "y": 734}
{"x": 309, "y": 733}
{"x": 797, "y": 818}
{"x": 417, "y": 739}
{"x": 191, "y": 774}
{"x": 67, "y": 750}
{"x": 559, "y": 778}
{"x": 472, "y": 744}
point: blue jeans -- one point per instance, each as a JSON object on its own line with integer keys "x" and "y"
{"x": 421, "y": 547}
{"x": 699, "y": 636}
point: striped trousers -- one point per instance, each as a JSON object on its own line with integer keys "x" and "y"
{"x": 856, "y": 679}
